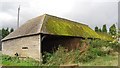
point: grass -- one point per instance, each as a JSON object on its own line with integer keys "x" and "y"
{"x": 99, "y": 61}
{"x": 103, "y": 61}
{"x": 15, "y": 61}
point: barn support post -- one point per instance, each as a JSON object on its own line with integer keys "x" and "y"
{"x": 40, "y": 52}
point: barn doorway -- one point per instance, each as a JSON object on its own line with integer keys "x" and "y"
{"x": 50, "y": 43}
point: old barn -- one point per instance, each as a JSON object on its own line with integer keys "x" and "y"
{"x": 44, "y": 33}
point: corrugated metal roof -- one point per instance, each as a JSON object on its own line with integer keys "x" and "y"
{"x": 48, "y": 24}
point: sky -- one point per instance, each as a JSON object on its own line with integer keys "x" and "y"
{"x": 90, "y": 12}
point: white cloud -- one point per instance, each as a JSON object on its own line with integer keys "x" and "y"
{"x": 6, "y": 17}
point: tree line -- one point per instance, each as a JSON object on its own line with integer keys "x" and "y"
{"x": 112, "y": 29}
{"x": 5, "y": 31}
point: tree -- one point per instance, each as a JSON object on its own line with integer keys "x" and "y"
{"x": 11, "y": 30}
{"x": 5, "y": 32}
{"x": 112, "y": 30}
{"x": 99, "y": 30}
{"x": 96, "y": 29}
{"x": 104, "y": 28}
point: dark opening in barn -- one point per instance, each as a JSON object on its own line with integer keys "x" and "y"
{"x": 50, "y": 43}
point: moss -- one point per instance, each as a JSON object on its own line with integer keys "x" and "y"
{"x": 59, "y": 26}
{"x": 105, "y": 36}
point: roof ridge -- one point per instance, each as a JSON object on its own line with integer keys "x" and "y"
{"x": 64, "y": 19}
{"x": 43, "y": 19}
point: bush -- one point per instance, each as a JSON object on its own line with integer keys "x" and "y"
{"x": 56, "y": 58}
{"x": 98, "y": 43}
{"x": 61, "y": 56}
{"x": 105, "y": 46}
{"x": 89, "y": 55}
{"x": 115, "y": 46}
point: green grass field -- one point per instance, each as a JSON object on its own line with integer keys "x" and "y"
{"x": 103, "y": 61}
{"x": 99, "y": 61}
{"x": 15, "y": 61}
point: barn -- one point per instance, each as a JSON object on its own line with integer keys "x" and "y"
{"x": 44, "y": 33}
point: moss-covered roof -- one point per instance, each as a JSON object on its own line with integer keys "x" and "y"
{"x": 60, "y": 26}
{"x": 105, "y": 36}
{"x": 48, "y": 24}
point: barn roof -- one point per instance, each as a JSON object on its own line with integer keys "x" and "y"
{"x": 48, "y": 24}
{"x": 105, "y": 36}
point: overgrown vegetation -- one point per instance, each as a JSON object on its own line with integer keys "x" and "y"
{"x": 98, "y": 48}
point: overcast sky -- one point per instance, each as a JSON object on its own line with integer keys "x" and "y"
{"x": 90, "y": 12}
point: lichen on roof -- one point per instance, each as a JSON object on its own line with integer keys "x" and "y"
{"x": 60, "y": 26}
{"x": 105, "y": 36}
{"x": 48, "y": 24}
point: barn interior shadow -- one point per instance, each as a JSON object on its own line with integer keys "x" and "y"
{"x": 50, "y": 43}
